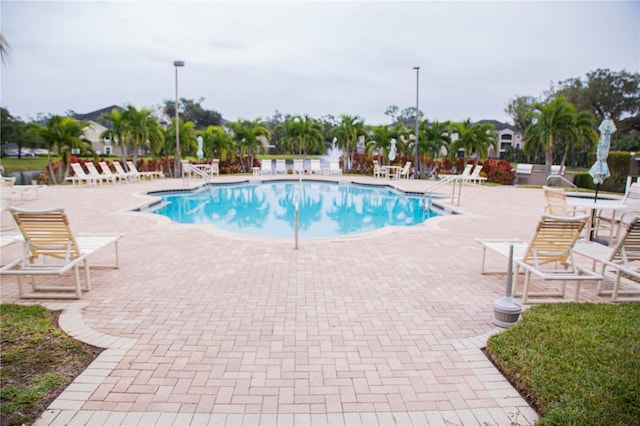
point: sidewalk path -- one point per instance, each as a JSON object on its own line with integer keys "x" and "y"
{"x": 203, "y": 327}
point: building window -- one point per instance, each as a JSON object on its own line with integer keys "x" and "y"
{"x": 506, "y": 137}
{"x": 107, "y": 150}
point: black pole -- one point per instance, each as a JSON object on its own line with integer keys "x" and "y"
{"x": 593, "y": 213}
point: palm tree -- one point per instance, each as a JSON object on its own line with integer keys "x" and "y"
{"x": 347, "y": 132}
{"x": 119, "y": 132}
{"x": 188, "y": 137}
{"x": 305, "y": 133}
{"x": 246, "y": 134}
{"x": 380, "y": 139}
{"x": 143, "y": 129}
{"x": 472, "y": 138}
{"x": 550, "y": 122}
{"x": 63, "y": 135}
{"x": 433, "y": 138}
{"x": 217, "y": 143}
{"x": 4, "y": 48}
{"x": 485, "y": 138}
{"x": 582, "y": 135}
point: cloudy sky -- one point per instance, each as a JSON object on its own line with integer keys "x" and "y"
{"x": 248, "y": 59}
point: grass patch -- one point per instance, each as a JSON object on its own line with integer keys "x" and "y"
{"x": 576, "y": 363}
{"x": 38, "y": 360}
{"x": 14, "y": 164}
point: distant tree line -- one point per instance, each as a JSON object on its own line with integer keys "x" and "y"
{"x": 560, "y": 126}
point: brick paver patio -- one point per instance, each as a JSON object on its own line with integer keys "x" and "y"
{"x": 203, "y": 327}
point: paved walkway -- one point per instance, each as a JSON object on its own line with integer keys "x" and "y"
{"x": 203, "y": 327}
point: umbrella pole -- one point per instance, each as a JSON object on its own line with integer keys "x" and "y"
{"x": 593, "y": 214}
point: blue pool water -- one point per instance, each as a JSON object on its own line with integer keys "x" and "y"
{"x": 267, "y": 209}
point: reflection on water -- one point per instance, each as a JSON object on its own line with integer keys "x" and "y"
{"x": 268, "y": 209}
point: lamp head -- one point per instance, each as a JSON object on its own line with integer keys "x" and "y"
{"x": 178, "y": 63}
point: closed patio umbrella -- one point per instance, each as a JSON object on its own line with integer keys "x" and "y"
{"x": 600, "y": 170}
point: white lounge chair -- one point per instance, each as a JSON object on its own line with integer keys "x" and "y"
{"x": 50, "y": 248}
{"x": 131, "y": 176}
{"x": 215, "y": 167}
{"x": 150, "y": 174}
{"x": 405, "y": 171}
{"x": 81, "y": 176}
{"x": 549, "y": 255}
{"x": 472, "y": 176}
{"x": 266, "y": 166}
{"x": 466, "y": 173}
{"x": 475, "y": 175}
{"x": 93, "y": 172}
{"x": 314, "y": 166}
{"x": 608, "y": 222}
{"x": 298, "y": 166}
{"x": 623, "y": 259}
{"x": 334, "y": 167}
{"x": 378, "y": 172}
{"x": 281, "y": 166}
{"x": 106, "y": 170}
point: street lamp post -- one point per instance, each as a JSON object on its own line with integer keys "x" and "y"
{"x": 415, "y": 175}
{"x": 177, "y": 64}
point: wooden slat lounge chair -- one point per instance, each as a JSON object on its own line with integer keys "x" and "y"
{"x": 50, "y": 248}
{"x": 623, "y": 259}
{"x": 556, "y": 199}
{"x": 549, "y": 255}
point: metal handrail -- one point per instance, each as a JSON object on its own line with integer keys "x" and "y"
{"x": 563, "y": 179}
{"x": 189, "y": 168}
{"x": 451, "y": 178}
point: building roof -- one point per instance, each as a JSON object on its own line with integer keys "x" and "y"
{"x": 498, "y": 125}
{"x": 97, "y": 116}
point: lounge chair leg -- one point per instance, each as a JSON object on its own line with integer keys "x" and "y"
{"x": 20, "y": 289}
{"x": 577, "y": 296}
{"x": 614, "y": 293}
{"x": 601, "y": 282}
{"x": 484, "y": 256}
{"x": 78, "y": 284}
{"x": 87, "y": 276}
{"x": 525, "y": 292}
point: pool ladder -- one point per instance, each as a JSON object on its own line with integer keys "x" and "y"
{"x": 428, "y": 193}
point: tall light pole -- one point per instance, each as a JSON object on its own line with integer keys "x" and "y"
{"x": 415, "y": 158}
{"x": 177, "y": 64}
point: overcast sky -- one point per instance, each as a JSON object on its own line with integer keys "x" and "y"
{"x": 248, "y": 59}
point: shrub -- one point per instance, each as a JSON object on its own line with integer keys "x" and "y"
{"x": 619, "y": 165}
{"x": 498, "y": 171}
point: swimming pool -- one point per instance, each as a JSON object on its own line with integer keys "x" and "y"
{"x": 326, "y": 209}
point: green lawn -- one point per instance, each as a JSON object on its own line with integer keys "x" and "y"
{"x": 37, "y": 362}
{"x": 14, "y": 164}
{"x": 576, "y": 363}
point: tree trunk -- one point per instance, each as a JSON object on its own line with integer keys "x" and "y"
{"x": 52, "y": 174}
